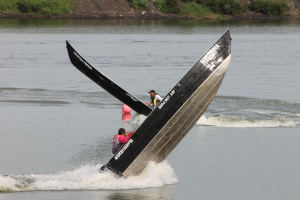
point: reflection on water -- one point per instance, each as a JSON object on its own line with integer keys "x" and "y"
{"x": 126, "y": 116}
{"x": 132, "y": 25}
{"x": 149, "y": 193}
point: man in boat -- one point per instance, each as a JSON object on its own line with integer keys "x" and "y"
{"x": 120, "y": 139}
{"x": 155, "y": 99}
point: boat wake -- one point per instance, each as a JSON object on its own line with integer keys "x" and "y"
{"x": 233, "y": 121}
{"x": 226, "y": 111}
{"x": 88, "y": 178}
{"x": 239, "y": 121}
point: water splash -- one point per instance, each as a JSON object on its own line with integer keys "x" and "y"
{"x": 88, "y": 178}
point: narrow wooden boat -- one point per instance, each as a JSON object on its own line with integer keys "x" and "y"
{"x": 178, "y": 112}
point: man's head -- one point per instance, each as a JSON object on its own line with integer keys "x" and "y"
{"x": 152, "y": 93}
{"x": 122, "y": 132}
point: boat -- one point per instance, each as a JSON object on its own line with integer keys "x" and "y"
{"x": 99, "y": 78}
{"x": 176, "y": 114}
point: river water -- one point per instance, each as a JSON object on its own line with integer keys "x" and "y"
{"x": 57, "y": 125}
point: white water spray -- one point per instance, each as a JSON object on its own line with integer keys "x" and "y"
{"x": 88, "y": 178}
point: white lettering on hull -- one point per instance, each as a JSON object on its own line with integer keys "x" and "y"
{"x": 166, "y": 99}
{"x": 210, "y": 54}
{"x": 123, "y": 149}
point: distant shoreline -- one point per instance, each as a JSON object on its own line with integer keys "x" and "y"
{"x": 122, "y": 9}
{"x": 145, "y": 15}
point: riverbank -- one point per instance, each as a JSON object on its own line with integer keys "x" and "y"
{"x": 121, "y": 9}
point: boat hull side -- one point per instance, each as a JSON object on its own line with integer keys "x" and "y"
{"x": 180, "y": 124}
{"x": 176, "y": 113}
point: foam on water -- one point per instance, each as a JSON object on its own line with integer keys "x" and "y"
{"x": 239, "y": 121}
{"x": 235, "y": 121}
{"x": 88, "y": 178}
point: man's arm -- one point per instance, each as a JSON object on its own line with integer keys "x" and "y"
{"x": 158, "y": 98}
{"x": 123, "y": 139}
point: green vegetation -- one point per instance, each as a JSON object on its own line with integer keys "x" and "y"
{"x": 217, "y": 8}
{"x": 159, "y": 4}
{"x": 40, "y": 7}
{"x": 268, "y": 7}
{"x": 167, "y": 6}
{"x": 199, "y": 8}
{"x": 183, "y": 8}
{"x": 226, "y": 7}
{"x": 205, "y": 8}
{"x": 194, "y": 10}
{"x": 139, "y": 4}
{"x": 173, "y": 6}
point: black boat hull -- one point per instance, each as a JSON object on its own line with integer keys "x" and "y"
{"x": 178, "y": 112}
{"x": 82, "y": 65}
